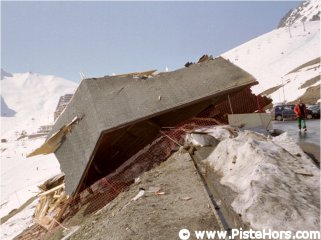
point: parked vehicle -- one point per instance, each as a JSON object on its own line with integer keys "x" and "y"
{"x": 286, "y": 112}
{"x": 315, "y": 109}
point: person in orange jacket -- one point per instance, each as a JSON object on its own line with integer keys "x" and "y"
{"x": 301, "y": 112}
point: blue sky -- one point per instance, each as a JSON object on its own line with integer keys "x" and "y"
{"x": 101, "y": 38}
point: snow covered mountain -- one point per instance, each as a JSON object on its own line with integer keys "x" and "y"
{"x": 33, "y": 97}
{"x": 5, "y": 74}
{"x": 285, "y": 61}
{"x": 307, "y": 11}
{"x": 28, "y": 101}
{"x": 5, "y": 110}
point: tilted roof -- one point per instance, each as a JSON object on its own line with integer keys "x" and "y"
{"x": 109, "y": 103}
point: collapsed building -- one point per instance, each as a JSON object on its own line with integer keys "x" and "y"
{"x": 100, "y": 137}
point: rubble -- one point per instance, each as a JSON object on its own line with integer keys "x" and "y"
{"x": 51, "y": 202}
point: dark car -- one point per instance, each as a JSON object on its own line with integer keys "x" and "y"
{"x": 315, "y": 110}
{"x": 286, "y": 112}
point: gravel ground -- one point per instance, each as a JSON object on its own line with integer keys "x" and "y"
{"x": 185, "y": 204}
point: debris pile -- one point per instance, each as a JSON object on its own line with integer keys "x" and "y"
{"x": 51, "y": 204}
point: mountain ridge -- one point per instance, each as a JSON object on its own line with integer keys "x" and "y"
{"x": 305, "y": 12}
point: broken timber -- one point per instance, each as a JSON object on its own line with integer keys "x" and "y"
{"x": 51, "y": 204}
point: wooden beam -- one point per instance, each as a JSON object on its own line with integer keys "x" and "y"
{"x": 52, "y": 190}
{"x": 138, "y": 74}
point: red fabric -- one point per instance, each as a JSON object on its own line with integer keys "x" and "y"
{"x": 298, "y": 112}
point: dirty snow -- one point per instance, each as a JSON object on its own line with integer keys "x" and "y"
{"x": 277, "y": 185}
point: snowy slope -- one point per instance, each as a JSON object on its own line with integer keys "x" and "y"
{"x": 271, "y": 57}
{"x": 5, "y": 110}
{"x": 307, "y": 11}
{"x": 33, "y": 98}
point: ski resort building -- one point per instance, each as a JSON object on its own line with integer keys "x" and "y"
{"x": 110, "y": 119}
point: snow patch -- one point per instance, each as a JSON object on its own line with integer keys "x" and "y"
{"x": 277, "y": 185}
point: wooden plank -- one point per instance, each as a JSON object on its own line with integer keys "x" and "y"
{"x": 52, "y": 182}
{"x": 58, "y": 201}
{"x": 40, "y": 206}
{"x": 54, "y": 142}
{"x": 43, "y": 211}
{"x": 59, "y": 216}
{"x": 52, "y": 190}
{"x": 138, "y": 74}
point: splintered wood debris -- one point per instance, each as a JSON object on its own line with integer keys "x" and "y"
{"x": 52, "y": 200}
{"x": 54, "y": 142}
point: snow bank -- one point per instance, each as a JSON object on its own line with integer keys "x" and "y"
{"x": 277, "y": 185}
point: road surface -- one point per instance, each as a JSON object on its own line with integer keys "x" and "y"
{"x": 312, "y": 135}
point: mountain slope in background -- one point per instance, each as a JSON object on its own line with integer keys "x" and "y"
{"x": 34, "y": 98}
{"x": 5, "y": 74}
{"x": 5, "y": 110}
{"x": 284, "y": 61}
{"x": 307, "y": 11}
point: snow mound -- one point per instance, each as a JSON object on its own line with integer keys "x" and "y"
{"x": 277, "y": 184}
{"x": 271, "y": 57}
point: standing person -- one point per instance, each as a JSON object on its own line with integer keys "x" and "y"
{"x": 301, "y": 112}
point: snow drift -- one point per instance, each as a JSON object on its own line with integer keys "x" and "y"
{"x": 277, "y": 184}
